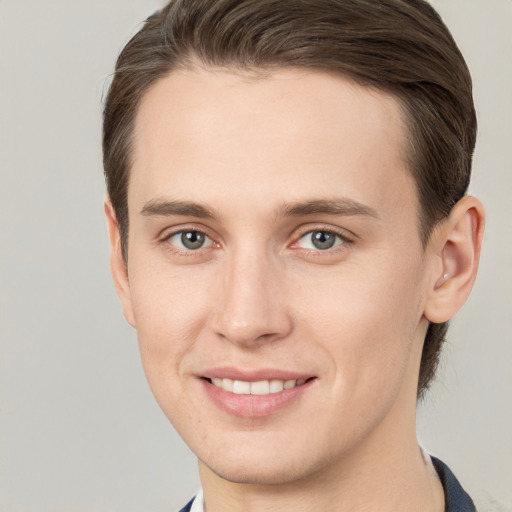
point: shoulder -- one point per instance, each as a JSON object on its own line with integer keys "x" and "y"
{"x": 456, "y": 498}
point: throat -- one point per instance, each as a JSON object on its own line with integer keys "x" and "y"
{"x": 343, "y": 491}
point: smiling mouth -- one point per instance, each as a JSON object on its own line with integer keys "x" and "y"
{"x": 261, "y": 387}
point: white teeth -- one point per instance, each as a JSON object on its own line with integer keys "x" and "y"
{"x": 240, "y": 387}
{"x": 262, "y": 387}
{"x": 227, "y": 384}
{"x": 276, "y": 386}
{"x": 289, "y": 384}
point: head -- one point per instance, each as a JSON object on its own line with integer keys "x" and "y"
{"x": 400, "y": 47}
{"x": 390, "y": 58}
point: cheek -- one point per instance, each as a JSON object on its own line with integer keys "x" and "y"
{"x": 365, "y": 320}
{"x": 170, "y": 310}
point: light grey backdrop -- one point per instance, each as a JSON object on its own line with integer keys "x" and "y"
{"x": 79, "y": 429}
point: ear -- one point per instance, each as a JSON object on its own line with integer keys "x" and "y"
{"x": 118, "y": 265}
{"x": 457, "y": 243}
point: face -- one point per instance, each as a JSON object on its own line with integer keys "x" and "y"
{"x": 275, "y": 271}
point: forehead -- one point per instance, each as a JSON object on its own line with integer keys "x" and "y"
{"x": 218, "y": 133}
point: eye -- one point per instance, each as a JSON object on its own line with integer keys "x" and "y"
{"x": 189, "y": 240}
{"x": 320, "y": 240}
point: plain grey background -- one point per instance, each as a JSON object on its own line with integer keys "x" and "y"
{"x": 79, "y": 429}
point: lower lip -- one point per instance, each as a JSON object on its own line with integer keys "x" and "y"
{"x": 253, "y": 406}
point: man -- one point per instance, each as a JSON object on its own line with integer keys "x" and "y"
{"x": 290, "y": 234}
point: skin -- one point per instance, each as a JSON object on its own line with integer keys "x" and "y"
{"x": 249, "y": 149}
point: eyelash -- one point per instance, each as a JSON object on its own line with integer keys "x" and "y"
{"x": 185, "y": 251}
{"x": 343, "y": 240}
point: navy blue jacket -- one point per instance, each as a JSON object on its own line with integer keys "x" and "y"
{"x": 455, "y": 497}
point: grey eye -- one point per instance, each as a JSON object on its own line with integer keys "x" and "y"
{"x": 192, "y": 239}
{"x": 323, "y": 240}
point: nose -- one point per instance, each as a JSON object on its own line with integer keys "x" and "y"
{"x": 252, "y": 307}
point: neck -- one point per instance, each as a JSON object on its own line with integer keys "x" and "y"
{"x": 387, "y": 477}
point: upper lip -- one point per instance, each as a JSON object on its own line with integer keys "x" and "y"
{"x": 253, "y": 375}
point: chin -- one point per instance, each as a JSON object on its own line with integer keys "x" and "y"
{"x": 271, "y": 466}
{"x": 272, "y": 474}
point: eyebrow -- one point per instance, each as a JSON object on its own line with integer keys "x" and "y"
{"x": 164, "y": 208}
{"x": 339, "y": 206}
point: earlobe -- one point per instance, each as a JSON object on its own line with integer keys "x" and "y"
{"x": 118, "y": 265}
{"x": 457, "y": 243}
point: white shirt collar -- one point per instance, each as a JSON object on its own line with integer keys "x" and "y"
{"x": 198, "y": 503}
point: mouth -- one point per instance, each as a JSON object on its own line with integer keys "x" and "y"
{"x": 260, "y": 387}
{"x": 255, "y": 396}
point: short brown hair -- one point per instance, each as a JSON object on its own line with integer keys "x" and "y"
{"x": 399, "y": 46}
